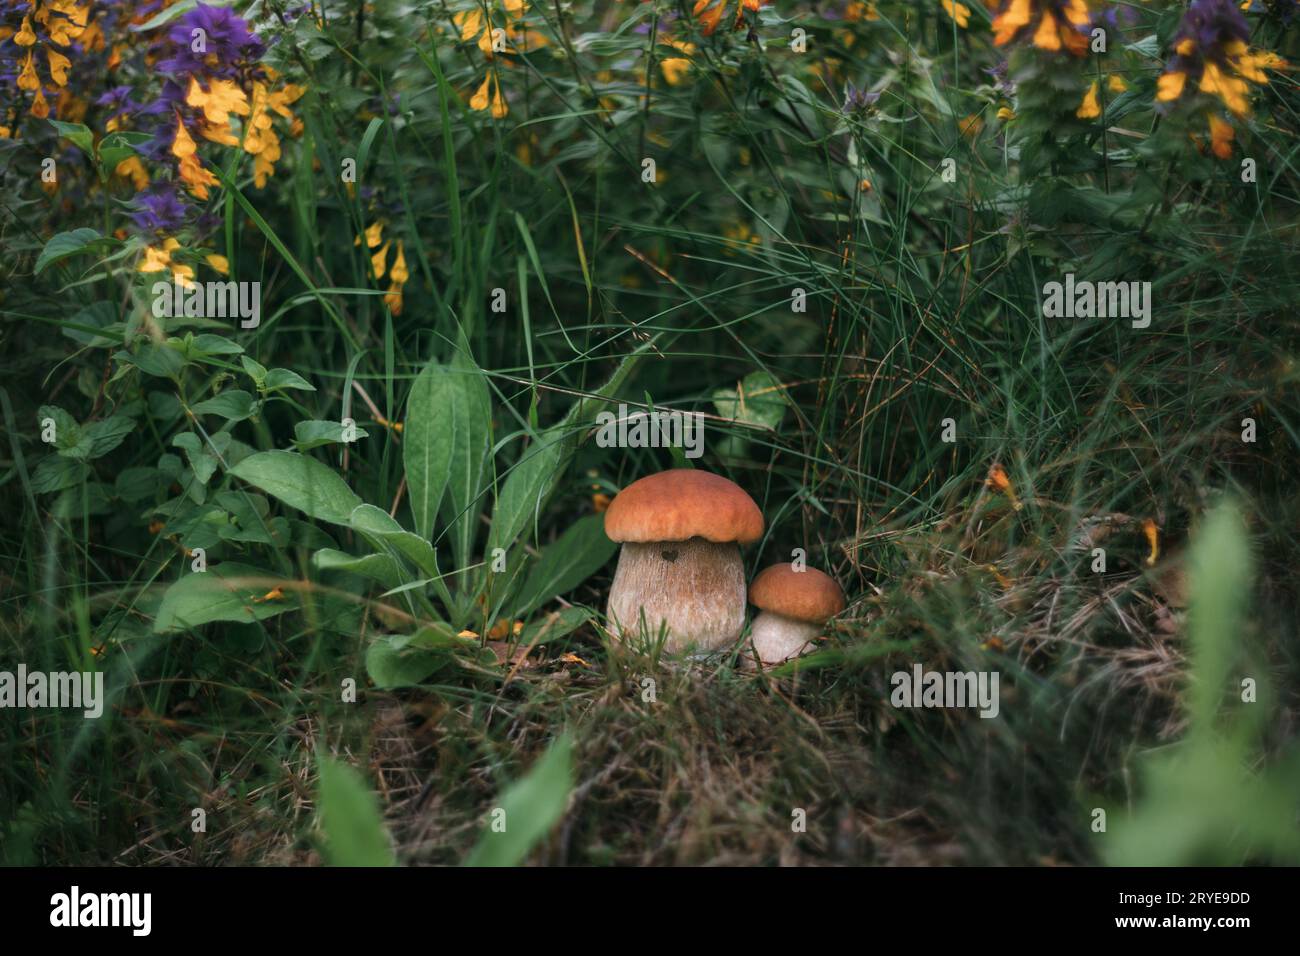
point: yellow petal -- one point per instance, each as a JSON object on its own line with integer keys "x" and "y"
{"x": 1090, "y": 108}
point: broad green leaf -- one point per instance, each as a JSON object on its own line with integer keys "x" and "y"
{"x": 406, "y": 660}
{"x": 531, "y": 807}
{"x": 446, "y": 440}
{"x": 226, "y": 592}
{"x": 107, "y": 434}
{"x": 70, "y": 439}
{"x": 314, "y": 434}
{"x": 286, "y": 378}
{"x": 578, "y": 554}
{"x": 301, "y": 482}
{"x": 78, "y": 134}
{"x": 350, "y": 819}
{"x": 66, "y": 244}
{"x": 233, "y": 404}
{"x": 383, "y": 531}
{"x": 256, "y": 371}
{"x": 210, "y": 344}
{"x": 377, "y": 567}
{"x": 55, "y": 473}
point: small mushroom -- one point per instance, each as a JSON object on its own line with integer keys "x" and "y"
{"x": 680, "y": 567}
{"x": 795, "y": 605}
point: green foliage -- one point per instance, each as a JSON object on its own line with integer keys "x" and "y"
{"x": 350, "y": 821}
{"x": 1207, "y": 801}
{"x": 528, "y": 809}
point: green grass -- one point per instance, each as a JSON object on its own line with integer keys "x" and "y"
{"x": 923, "y": 304}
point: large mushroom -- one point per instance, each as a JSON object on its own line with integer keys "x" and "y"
{"x": 680, "y": 567}
{"x": 795, "y": 604}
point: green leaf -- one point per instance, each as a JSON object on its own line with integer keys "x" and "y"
{"x": 446, "y": 440}
{"x": 350, "y": 819}
{"x": 301, "y": 482}
{"x": 377, "y": 567}
{"x": 759, "y": 399}
{"x": 256, "y": 371}
{"x": 313, "y": 434}
{"x": 227, "y": 592}
{"x": 166, "y": 16}
{"x": 1220, "y": 579}
{"x": 116, "y": 147}
{"x": 78, "y": 133}
{"x": 55, "y": 473}
{"x": 234, "y": 405}
{"x": 108, "y": 434}
{"x": 406, "y": 660}
{"x": 381, "y": 530}
{"x": 66, "y": 244}
{"x": 531, "y": 807}
{"x": 70, "y": 439}
{"x": 210, "y": 344}
{"x": 578, "y": 554}
{"x": 284, "y": 378}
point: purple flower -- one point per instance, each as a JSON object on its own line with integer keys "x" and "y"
{"x": 225, "y": 46}
{"x": 858, "y": 101}
{"x": 158, "y": 209}
{"x": 118, "y": 100}
{"x": 1211, "y": 24}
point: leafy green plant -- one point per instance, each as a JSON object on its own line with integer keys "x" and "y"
{"x": 1207, "y": 800}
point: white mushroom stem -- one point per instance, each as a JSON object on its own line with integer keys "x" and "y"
{"x": 778, "y": 638}
{"x": 695, "y": 588}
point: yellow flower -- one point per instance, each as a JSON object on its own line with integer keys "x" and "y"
{"x": 133, "y": 169}
{"x": 59, "y": 66}
{"x": 159, "y": 259}
{"x": 1221, "y": 136}
{"x": 399, "y": 273}
{"x": 1090, "y": 108}
{"x": 958, "y": 12}
{"x": 27, "y": 78}
{"x": 221, "y": 99}
{"x": 1230, "y": 89}
{"x": 1059, "y": 24}
{"x": 1115, "y": 83}
{"x": 379, "y": 261}
{"x": 675, "y": 69}
{"x": 1170, "y": 86}
{"x": 26, "y": 36}
{"x": 219, "y": 263}
{"x": 40, "y": 108}
{"x": 489, "y": 95}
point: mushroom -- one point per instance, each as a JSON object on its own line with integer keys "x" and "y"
{"x": 795, "y": 604}
{"x": 680, "y": 567}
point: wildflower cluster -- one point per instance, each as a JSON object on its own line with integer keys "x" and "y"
{"x": 35, "y": 40}
{"x": 1212, "y": 61}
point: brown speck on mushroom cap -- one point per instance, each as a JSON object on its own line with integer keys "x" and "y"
{"x": 680, "y": 568}
{"x": 794, "y": 604}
